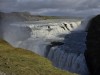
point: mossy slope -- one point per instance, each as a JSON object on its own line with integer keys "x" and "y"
{"x": 16, "y": 61}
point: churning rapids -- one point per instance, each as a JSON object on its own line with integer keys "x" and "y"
{"x": 62, "y": 41}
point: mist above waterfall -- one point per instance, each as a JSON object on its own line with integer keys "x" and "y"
{"x": 13, "y": 34}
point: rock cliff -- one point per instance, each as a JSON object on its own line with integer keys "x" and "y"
{"x": 92, "y": 54}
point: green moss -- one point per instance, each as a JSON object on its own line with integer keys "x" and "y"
{"x": 17, "y": 61}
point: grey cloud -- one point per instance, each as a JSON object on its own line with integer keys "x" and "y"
{"x": 52, "y": 7}
{"x": 71, "y": 12}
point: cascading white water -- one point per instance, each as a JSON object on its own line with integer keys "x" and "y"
{"x": 38, "y": 35}
{"x": 70, "y": 56}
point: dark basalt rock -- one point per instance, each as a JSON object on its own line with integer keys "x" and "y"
{"x": 92, "y": 54}
{"x": 53, "y": 44}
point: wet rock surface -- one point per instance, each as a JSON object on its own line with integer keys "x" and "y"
{"x": 53, "y": 44}
{"x": 92, "y": 54}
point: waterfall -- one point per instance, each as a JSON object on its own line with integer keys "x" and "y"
{"x": 73, "y": 62}
{"x": 40, "y": 37}
{"x": 70, "y": 55}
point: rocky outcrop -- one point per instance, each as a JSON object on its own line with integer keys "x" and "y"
{"x": 92, "y": 54}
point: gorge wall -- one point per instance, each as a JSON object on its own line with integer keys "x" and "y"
{"x": 92, "y": 54}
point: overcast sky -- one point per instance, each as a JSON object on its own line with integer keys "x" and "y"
{"x": 52, "y": 7}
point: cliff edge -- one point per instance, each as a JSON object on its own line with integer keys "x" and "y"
{"x": 92, "y": 54}
{"x": 17, "y": 61}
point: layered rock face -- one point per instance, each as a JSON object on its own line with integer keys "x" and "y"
{"x": 92, "y": 54}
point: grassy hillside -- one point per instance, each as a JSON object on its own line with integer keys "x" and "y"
{"x": 16, "y": 61}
